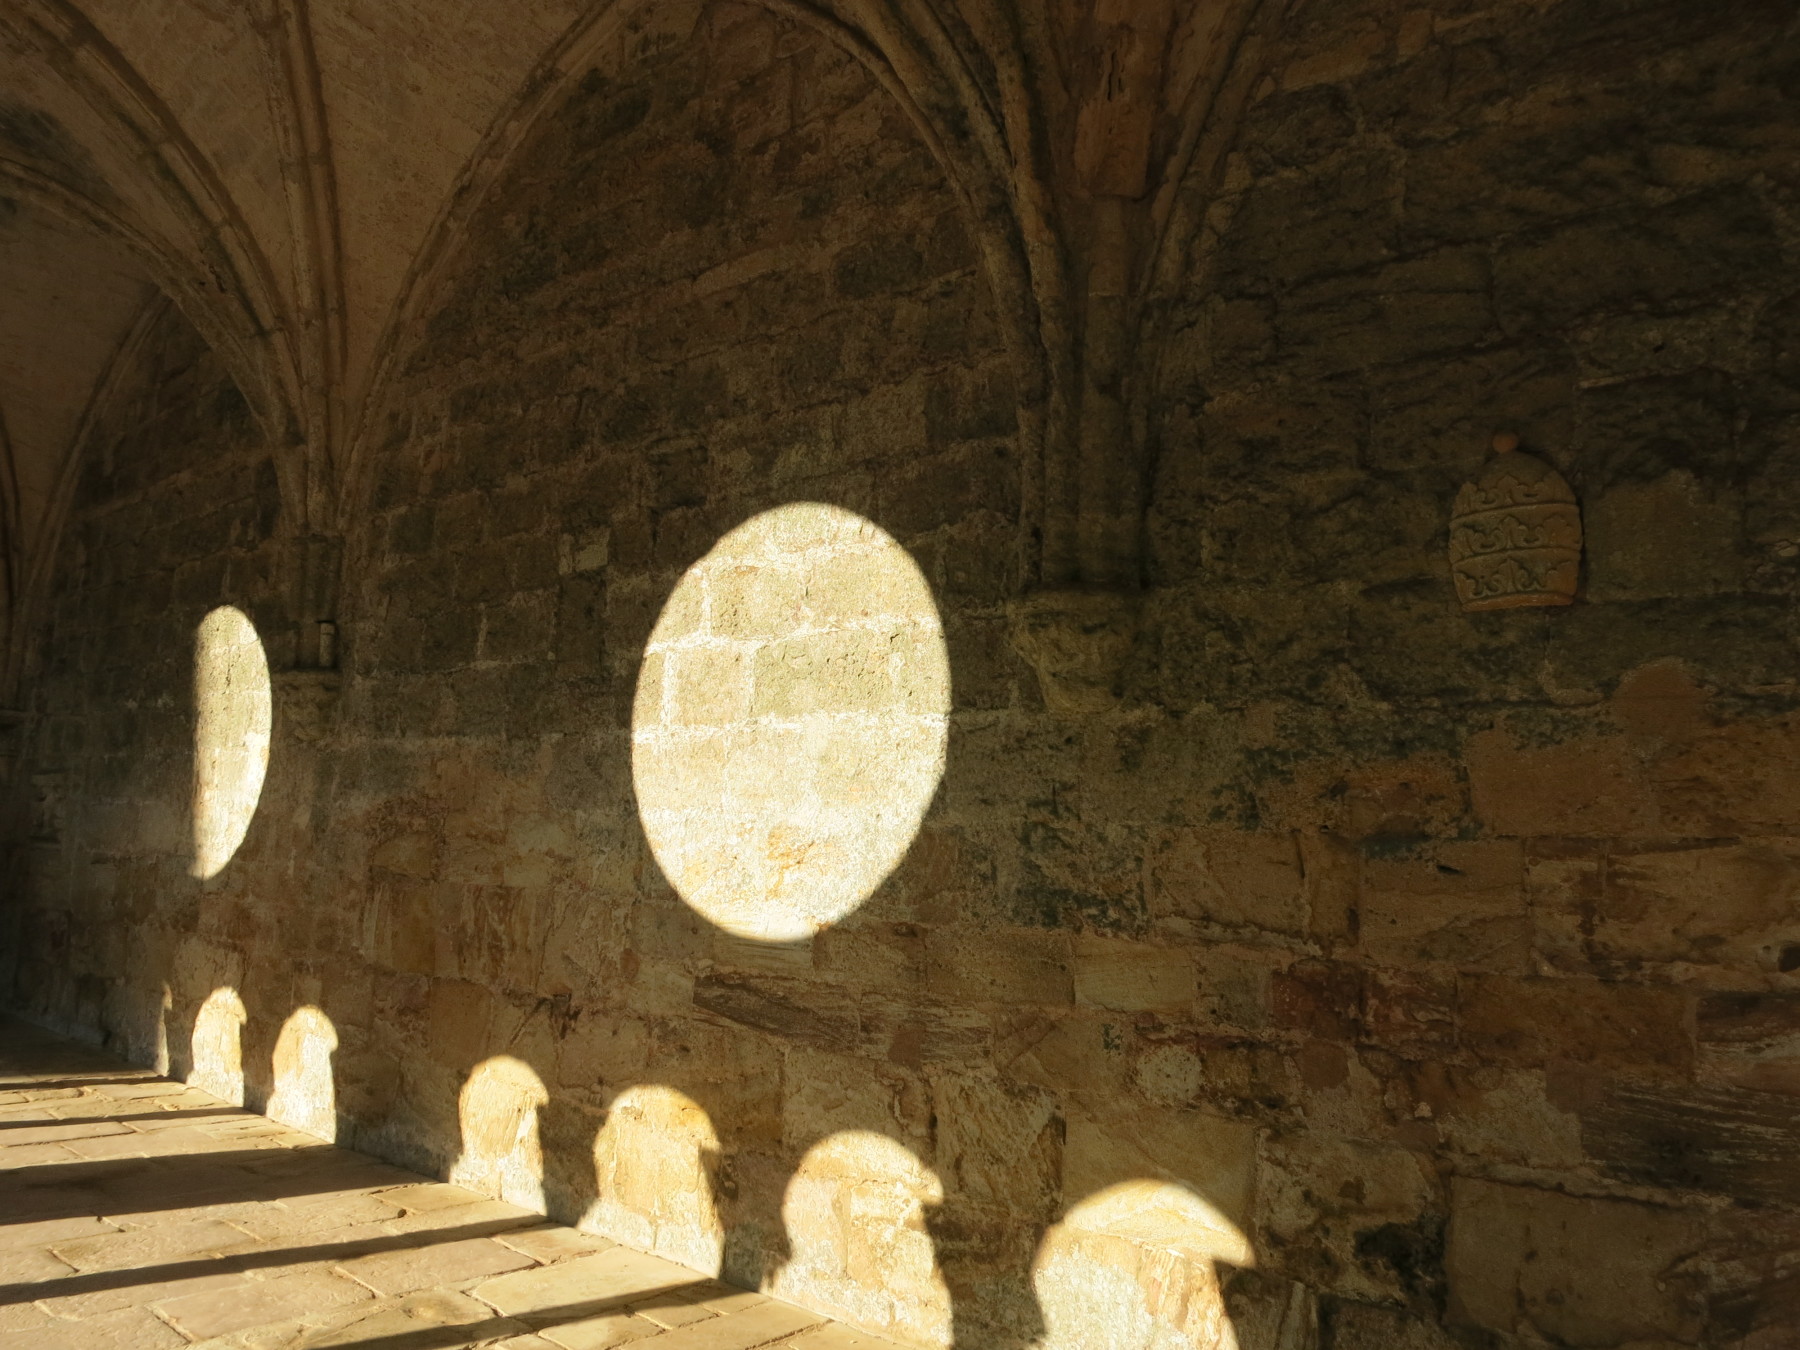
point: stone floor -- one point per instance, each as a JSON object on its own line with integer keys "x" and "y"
{"x": 139, "y": 1213}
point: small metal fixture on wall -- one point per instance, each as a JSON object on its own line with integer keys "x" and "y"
{"x": 1515, "y": 534}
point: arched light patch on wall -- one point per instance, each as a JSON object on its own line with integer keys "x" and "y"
{"x": 790, "y": 721}
{"x": 654, "y": 1164}
{"x": 502, "y": 1154}
{"x": 855, "y": 1218}
{"x": 160, "y": 1048}
{"x": 1135, "y": 1267}
{"x": 305, "y": 1094}
{"x": 234, "y": 712}
{"x": 218, "y": 1046}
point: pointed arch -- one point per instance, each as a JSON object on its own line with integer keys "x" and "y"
{"x": 214, "y": 270}
{"x": 962, "y": 132}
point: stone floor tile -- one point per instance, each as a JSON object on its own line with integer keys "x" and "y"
{"x": 174, "y": 1118}
{"x": 219, "y": 1312}
{"x": 414, "y": 1319}
{"x": 670, "y": 1311}
{"x": 126, "y": 1329}
{"x": 257, "y": 1128}
{"x": 29, "y": 1265}
{"x": 62, "y": 1132}
{"x": 154, "y": 1087}
{"x": 46, "y": 1231}
{"x": 832, "y": 1336}
{"x": 23, "y": 1317}
{"x": 100, "y": 1297}
{"x": 227, "y": 1210}
{"x": 524, "y": 1343}
{"x": 550, "y": 1243}
{"x": 110, "y": 1296}
{"x": 494, "y": 1215}
{"x": 182, "y": 1139}
{"x": 321, "y": 1167}
{"x": 325, "y": 1250}
{"x": 741, "y": 1331}
{"x": 20, "y": 1106}
{"x": 429, "y": 1195}
{"x": 281, "y": 1220}
{"x": 602, "y": 1332}
{"x": 33, "y": 1155}
{"x": 435, "y": 1265}
{"x": 150, "y": 1246}
{"x": 730, "y": 1300}
{"x": 566, "y": 1291}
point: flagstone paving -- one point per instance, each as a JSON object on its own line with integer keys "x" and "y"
{"x": 138, "y": 1213}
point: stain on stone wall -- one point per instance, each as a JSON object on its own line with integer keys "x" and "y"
{"x": 1446, "y": 962}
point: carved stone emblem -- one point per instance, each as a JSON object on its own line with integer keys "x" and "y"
{"x": 1515, "y": 534}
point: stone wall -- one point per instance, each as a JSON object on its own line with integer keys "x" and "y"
{"x": 1372, "y": 974}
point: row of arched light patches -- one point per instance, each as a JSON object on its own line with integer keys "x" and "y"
{"x": 788, "y": 734}
{"x": 1130, "y": 1268}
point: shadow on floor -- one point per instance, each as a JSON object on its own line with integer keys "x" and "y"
{"x": 143, "y": 1185}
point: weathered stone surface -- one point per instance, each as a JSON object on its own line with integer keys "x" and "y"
{"x": 452, "y": 1264}
{"x": 1585, "y": 1271}
{"x": 613, "y": 1277}
{"x": 221, "y": 1312}
{"x": 1731, "y": 1141}
{"x": 1283, "y": 882}
{"x": 126, "y": 1329}
{"x": 1752, "y": 1040}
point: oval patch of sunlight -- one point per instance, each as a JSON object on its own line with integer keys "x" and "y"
{"x": 790, "y": 721}
{"x": 1135, "y": 1267}
{"x": 233, "y": 715}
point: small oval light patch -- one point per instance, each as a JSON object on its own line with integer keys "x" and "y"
{"x": 233, "y": 714}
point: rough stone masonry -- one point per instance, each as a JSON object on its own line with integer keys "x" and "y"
{"x": 1274, "y": 955}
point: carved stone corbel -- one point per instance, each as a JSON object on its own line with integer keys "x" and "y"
{"x": 1515, "y": 534}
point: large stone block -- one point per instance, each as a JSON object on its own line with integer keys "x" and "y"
{"x": 1351, "y": 1218}
{"x": 1730, "y": 1141}
{"x": 1230, "y": 878}
{"x": 1586, "y": 788}
{"x": 1574, "y": 1270}
{"x": 1132, "y": 976}
{"x": 1615, "y": 1025}
{"x": 1211, "y": 1156}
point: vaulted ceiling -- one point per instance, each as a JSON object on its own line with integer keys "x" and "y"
{"x": 275, "y": 167}
{"x": 292, "y": 175}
